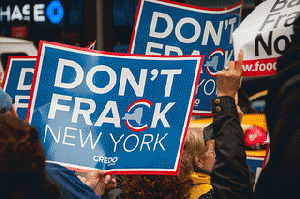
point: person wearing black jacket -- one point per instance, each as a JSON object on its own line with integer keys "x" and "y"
{"x": 230, "y": 176}
{"x": 280, "y": 176}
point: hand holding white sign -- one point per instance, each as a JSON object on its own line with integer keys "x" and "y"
{"x": 228, "y": 81}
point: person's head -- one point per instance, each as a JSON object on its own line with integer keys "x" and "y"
{"x": 22, "y": 160}
{"x": 156, "y": 186}
{"x": 160, "y": 186}
{"x": 202, "y": 155}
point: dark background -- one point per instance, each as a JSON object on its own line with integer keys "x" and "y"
{"x": 110, "y": 22}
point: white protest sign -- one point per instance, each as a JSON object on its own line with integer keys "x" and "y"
{"x": 264, "y": 35}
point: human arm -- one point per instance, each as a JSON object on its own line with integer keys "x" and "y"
{"x": 70, "y": 186}
{"x": 230, "y": 177}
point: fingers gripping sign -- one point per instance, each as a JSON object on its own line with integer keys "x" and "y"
{"x": 228, "y": 81}
{"x": 99, "y": 181}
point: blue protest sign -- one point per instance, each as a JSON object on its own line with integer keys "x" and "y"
{"x": 256, "y": 164}
{"x": 17, "y": 81}
{"x": 18, "y": 78}
{"x": 170, "y": 28}
{"x": 119, "y": 112}
{"x": 92, "y": 45}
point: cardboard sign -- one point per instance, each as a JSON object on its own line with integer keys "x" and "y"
{"x": 264, "y": 35}
{"x": 17, "y": 81}
{"x": 92, "y": 45}
{"x": 118, "y": 112}
{"x": 18, "y": 78}
{"x": 256, "y": 164}
{"x": 170, "y": 28}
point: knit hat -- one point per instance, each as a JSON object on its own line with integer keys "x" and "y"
{"x": 5, "y": 100}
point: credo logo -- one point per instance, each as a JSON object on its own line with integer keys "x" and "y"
{"x": 105, "y": 160}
